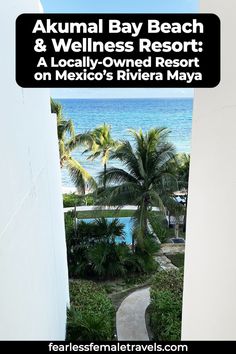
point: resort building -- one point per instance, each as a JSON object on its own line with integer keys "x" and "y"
{"x": 33, "y": 266}
{"x": 209, "y": 307}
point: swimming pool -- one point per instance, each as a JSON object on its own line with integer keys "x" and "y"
{"x": 128, "y": 224}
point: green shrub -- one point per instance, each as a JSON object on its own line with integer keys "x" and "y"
{"x": 165, "y": 315}
{"x": 96, "y": 250}
{"x": 111, "y": 260}
{"x": 91, "y": 316}
{"x": 70, "y": 241}
{"x": 108, "y": 260}
{"x": 135, "y": 279}
{"x": 171, "y": 280}
{"x": 92, "y": 250}
{"x": 166, "y": 305}
{"x": 177, "y": 260}
{"x": 159, "y": 226}
{"x": 89, "y": 200}
{"x": 69, "y": 224}
{"x": 72, "y": 199}
{"x": 100, "y": 230}
{"x": 144, "y": 256}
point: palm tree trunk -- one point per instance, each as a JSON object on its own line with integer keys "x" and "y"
{"x": 75, "y": 222}
{"x": 177, "y": 230}
{"x": 145, "y": 227}
{"x": 168, "y": 218}
{"x": 104, "y": 178}
{"x": 145, "y": 219}
{"x": 133, "y": 246}
{"x": 185, "y": 214}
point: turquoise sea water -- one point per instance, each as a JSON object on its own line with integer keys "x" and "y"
{"x": 122, "y": 114}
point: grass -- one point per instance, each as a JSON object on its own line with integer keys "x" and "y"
{"x": 119, "y": 289}
{"x": 171, "y": 233}
{"x": 91, "y": 214}
{"x": 126, "y": 283}
{"x": 177, "y": 260}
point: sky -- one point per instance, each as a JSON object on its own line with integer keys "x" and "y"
{"x": 119, "y": 6}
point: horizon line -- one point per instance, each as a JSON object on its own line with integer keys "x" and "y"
{"x": 121, "y": 98}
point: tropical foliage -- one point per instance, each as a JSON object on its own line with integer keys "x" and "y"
{"x": 166, "y": 305}
{"x": 100, "y": 229}
{"x": 147, "y": 179}
{"x": 150, "y": 174}
{"x": 68, "y": 141}
{"x": 93, "y": 252}
{"x": 159, "y": 226}
{"x": 91, "y": 316}
{"x": 177, "y": 260}
{"x": 72, "y": 199}
{"x": 103, "y": 145}
{"x": 183, "y": 163}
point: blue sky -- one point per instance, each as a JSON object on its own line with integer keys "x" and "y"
{"x": 119, "y": 6}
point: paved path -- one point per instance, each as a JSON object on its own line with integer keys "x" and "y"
{"x": 130, "y": 317}
{"x": 165, "y": 263}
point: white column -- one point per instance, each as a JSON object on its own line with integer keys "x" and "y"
{"x": 209, "y": 310}
{"x": 33, "y": 267}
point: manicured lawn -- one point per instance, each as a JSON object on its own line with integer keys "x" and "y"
{"x": 90, "y": 214}
{"x": 104, "y": 213}
{"x": 177, "y": 260}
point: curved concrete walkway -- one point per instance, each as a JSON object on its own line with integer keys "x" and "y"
{"x": 130, "y": 317}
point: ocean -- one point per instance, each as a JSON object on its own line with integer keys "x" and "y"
{"x": 123, "y": 114}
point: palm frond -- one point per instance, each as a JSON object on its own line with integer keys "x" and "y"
{"x": 116, "y": 175}
{"x": 80, "y": 177}
{"x": 126, "y": 193}
{"x": 80, "y": 139}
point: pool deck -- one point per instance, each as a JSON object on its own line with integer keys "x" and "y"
{"x": 103, "y": 207}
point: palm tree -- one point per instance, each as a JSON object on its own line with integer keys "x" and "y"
{"x": 183, "y": 164}
{"x": 147, "y": 180}
{"x": 103, "y": 145}
{"x": 110, "y": 230}
{"x": 68, "y": 141}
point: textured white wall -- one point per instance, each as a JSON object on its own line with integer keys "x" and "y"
{"x": 33, "y": 270}
{"x": 209, "y": 311}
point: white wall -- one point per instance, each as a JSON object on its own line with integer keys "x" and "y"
{"x": 209, "y": 310}
{"x": 33, "y": 270}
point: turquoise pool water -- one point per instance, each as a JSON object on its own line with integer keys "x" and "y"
{"x": 127, "y": 222}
